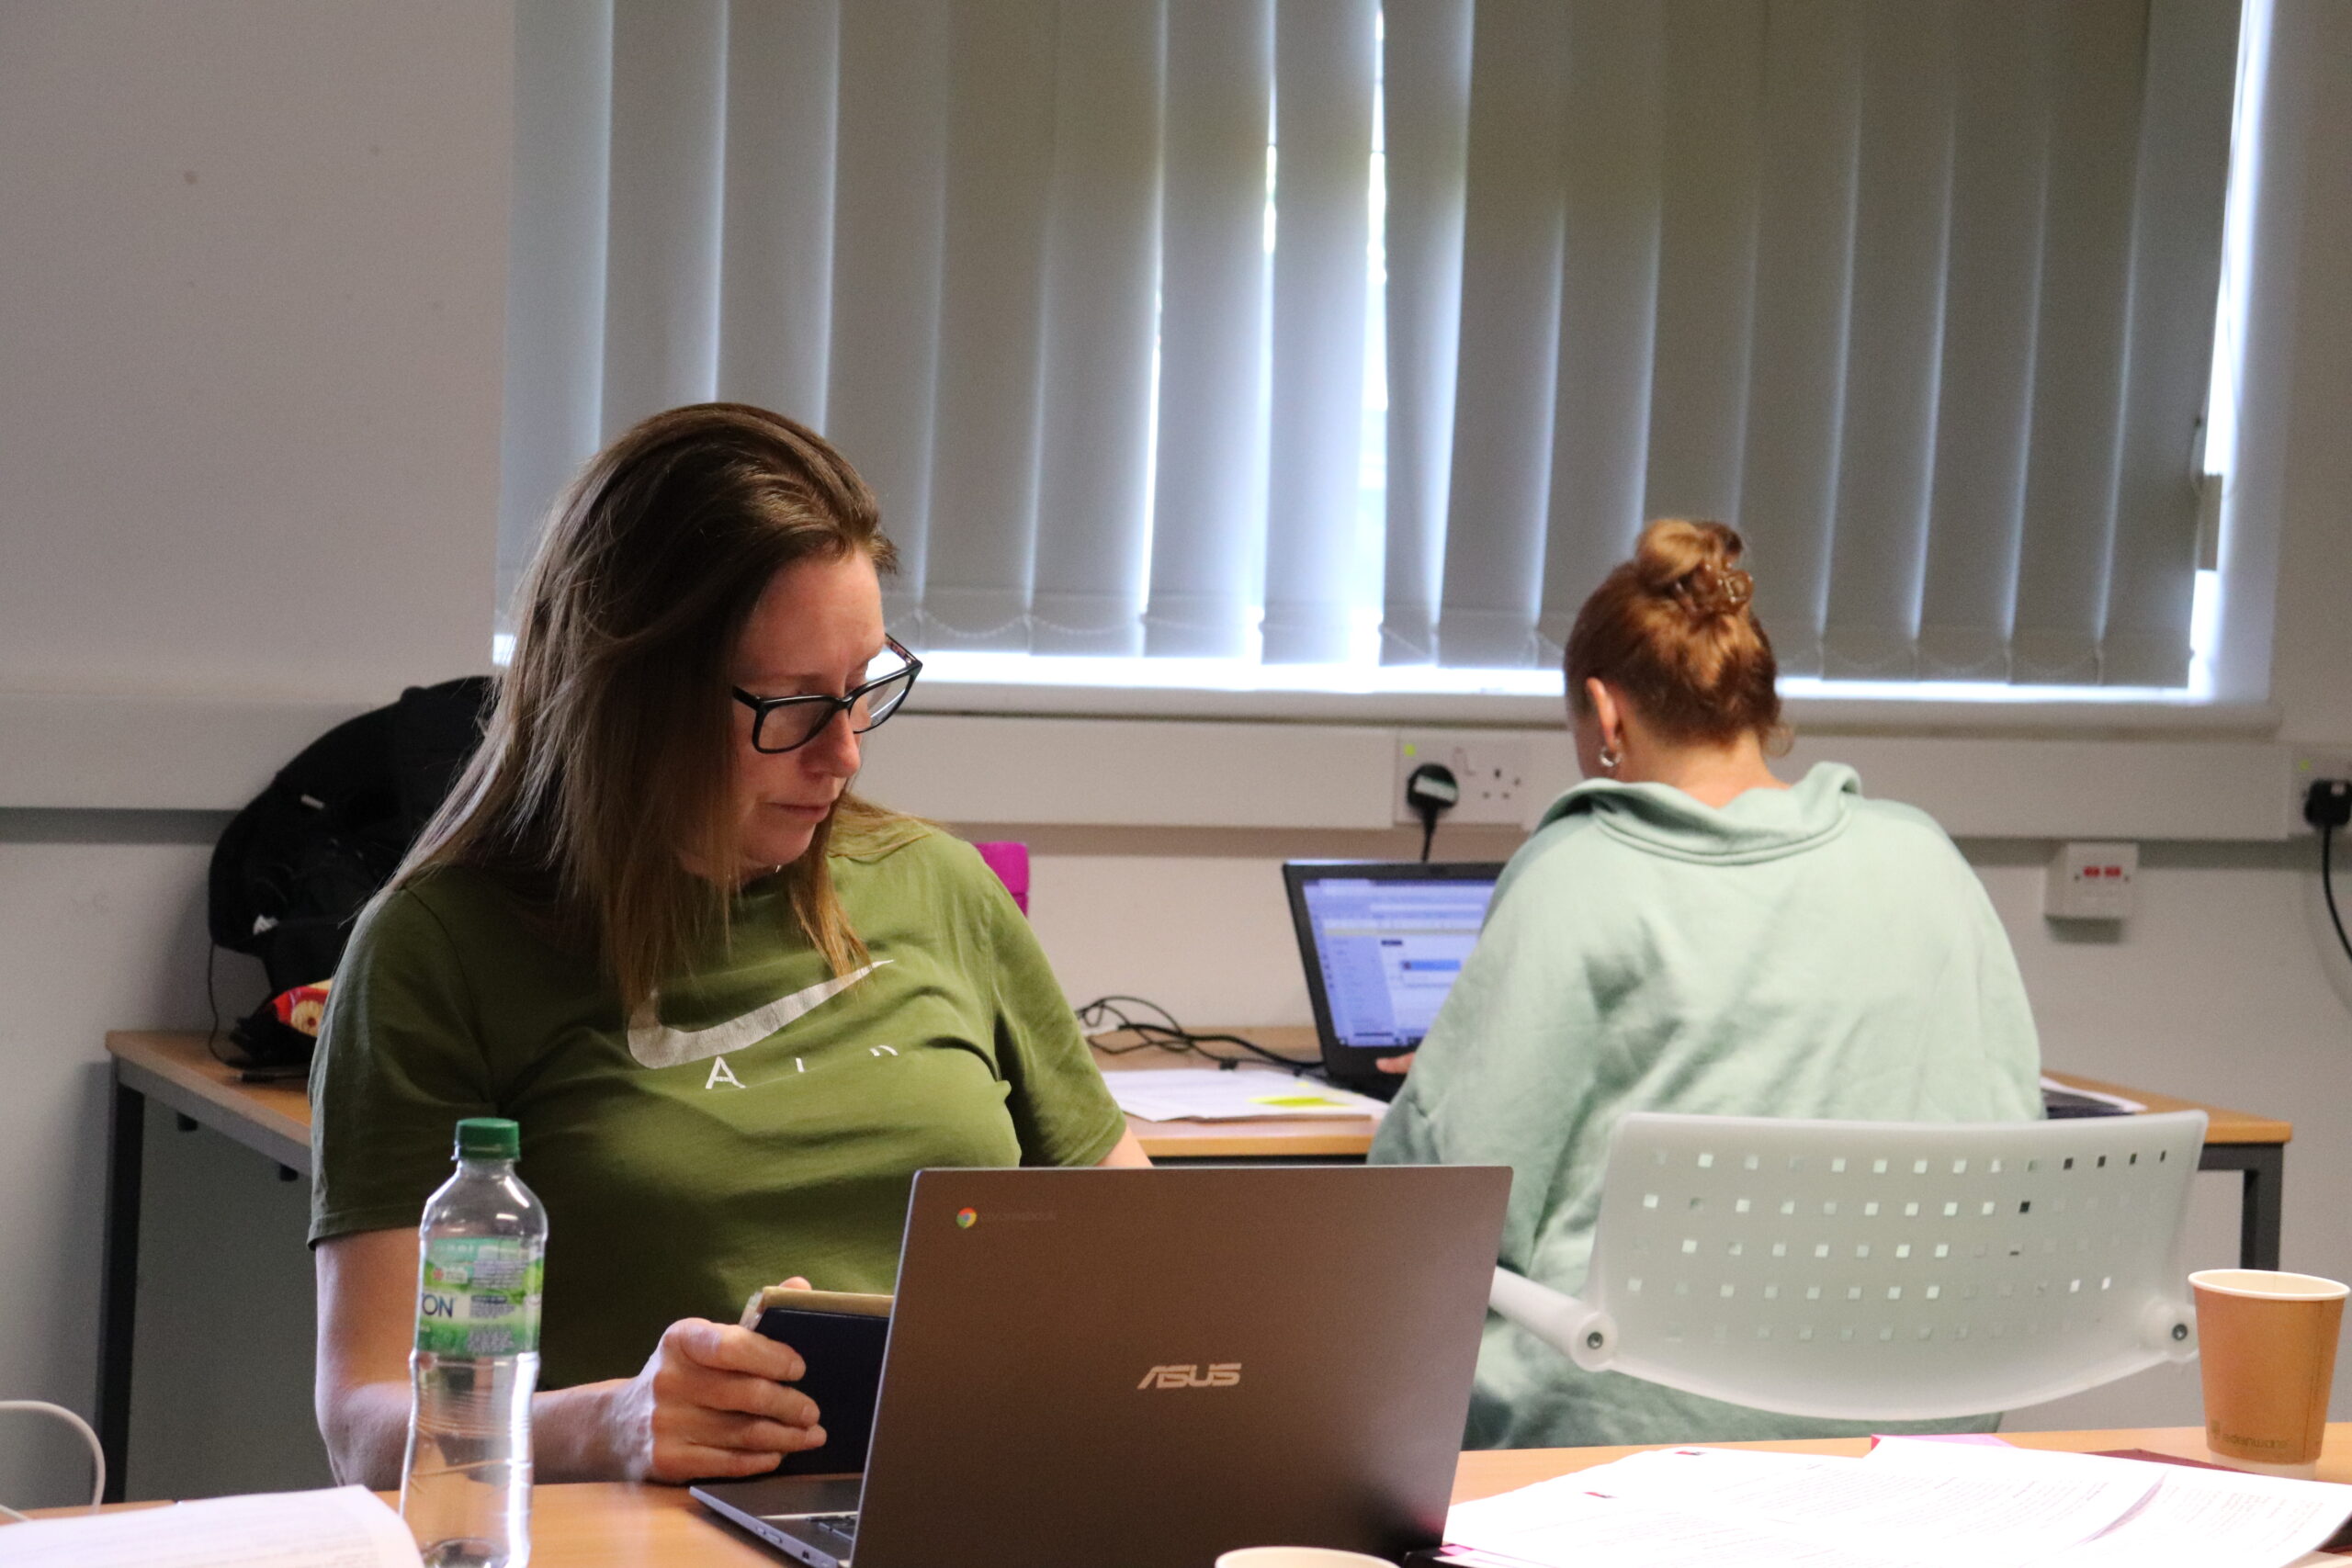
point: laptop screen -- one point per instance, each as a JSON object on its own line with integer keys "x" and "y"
{"x": 1384, "y": 944}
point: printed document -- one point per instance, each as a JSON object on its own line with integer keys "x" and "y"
{"x": 349, "y": 1527}
{"x": 2194, "y": 1517}
{"x": 1912, "y": 1514}
{"x": 1912, "y": 1504}
{"x": 1231, "y": 1094}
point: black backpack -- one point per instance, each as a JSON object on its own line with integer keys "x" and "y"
{"x": 295, "y": 867}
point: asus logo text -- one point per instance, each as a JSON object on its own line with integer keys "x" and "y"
{"x": 1220, "y": 1374}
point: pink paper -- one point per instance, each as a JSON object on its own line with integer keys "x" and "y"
{"x": 1009, "y": 860}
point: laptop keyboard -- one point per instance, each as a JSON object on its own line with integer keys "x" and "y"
{"x": 834, "y": 1532}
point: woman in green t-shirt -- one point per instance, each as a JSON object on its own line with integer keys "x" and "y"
{"x": 733, "y": 1008}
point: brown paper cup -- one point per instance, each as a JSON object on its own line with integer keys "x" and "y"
{"x": 2267, "y": 1343}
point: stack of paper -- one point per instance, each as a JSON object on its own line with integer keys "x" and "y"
{"x": 1231, "y": 1094}
{"x": 347, "y": 1528}
{"x": 2091, "y": 1101}
{"x": 1912, "y": 1504}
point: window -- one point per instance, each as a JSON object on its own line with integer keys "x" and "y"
{"x": 1264, "y": 345}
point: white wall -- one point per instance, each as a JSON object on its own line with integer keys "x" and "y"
{"x": 255, "y": 273}
{"x": 252, "y": 289}
{"x": 192, "y": 457}
{"x": 89, "y": 931}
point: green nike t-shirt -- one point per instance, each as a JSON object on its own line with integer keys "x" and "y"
{"x": 769, "y": 1123}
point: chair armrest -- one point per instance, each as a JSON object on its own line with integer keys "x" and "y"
{"x": 1578, "y": 1330}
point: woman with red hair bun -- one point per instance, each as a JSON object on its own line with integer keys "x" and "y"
{"x": 1685, "y": 932}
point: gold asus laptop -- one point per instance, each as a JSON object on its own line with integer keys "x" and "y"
{"x": 1142, "y": 1369}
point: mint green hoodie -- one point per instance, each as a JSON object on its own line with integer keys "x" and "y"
{"x": 1799, "y": 952}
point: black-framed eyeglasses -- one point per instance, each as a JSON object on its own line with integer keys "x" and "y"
{"x": 786, "y": 724}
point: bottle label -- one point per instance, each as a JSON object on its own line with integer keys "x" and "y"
{"x": 479, "y": 1297}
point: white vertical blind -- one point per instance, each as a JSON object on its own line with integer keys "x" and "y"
{"x": 555, "y": 304}
{"x": 2175, "y": 268}
{"x": 662, "y": 248}
{"x": 776, "y": 248}
{"x": 1510, "y": 338}
{"x": 1209, "y": 501}
{"x": 991, "y": 313}
{"x": 883, "y": 346}
{"x": 1101, "y": 272}
{"x": 1323, "y": 69}
{"x": 1804, "y": 247}
{"x": 1916, "y": 296}
{"x": 1707, "y": 206}
{"x": 1607, "y": 302}
{"x": 2079, "y": 346}
{"x": 2001, "y": 110}
{"x": 1425, "y": 109}
{"x": 1893, "y": 336}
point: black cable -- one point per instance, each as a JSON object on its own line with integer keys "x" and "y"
{"x": 1105, "y": 1014}
{"x": 1431, "y": 790}
{"x": 212, "y": 1005}
{"x": 2328, "y": 886}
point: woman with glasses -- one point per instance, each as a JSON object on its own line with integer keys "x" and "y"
{"x": 733, "y": 1007}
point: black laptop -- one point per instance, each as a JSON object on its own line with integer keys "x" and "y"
{"x": 1148, "y": 1367}
{"x": 1382, "y": 943}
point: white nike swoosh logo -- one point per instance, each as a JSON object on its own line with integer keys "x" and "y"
{"x": 655, "y": 1045}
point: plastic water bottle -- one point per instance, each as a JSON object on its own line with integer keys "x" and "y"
{"x": 466, "y": 1481}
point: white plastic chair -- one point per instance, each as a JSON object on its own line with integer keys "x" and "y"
{"x": 1880, "y": 1271}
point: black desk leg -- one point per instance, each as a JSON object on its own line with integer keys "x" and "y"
{"x": 2259, "y": 1201}
{"x": 2259, "y": 1206}
{"x": 119, "y": 1292}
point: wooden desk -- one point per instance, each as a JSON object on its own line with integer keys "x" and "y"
{"x": 661, "y": 1526}
{"x": 274, "y": 1120}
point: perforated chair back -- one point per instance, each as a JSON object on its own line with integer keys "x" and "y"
{"x": 1876, "y": 1271}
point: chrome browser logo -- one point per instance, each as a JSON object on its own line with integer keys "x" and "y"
{"x": 966, "y": 1217}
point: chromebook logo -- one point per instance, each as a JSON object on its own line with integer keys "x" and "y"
{"x": 963, "y": 1218}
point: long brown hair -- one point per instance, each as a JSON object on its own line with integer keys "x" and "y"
{"x": 608, "y": 764}
{"x": 1674, "y": 630}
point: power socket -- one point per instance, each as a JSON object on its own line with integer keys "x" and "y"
{"x": 1492, "y": 770}
{"x": 2091, "y": 882}
{"x": 2307, "y": 767}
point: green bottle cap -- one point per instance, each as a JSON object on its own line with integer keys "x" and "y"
{"x": 489, "y": 1137}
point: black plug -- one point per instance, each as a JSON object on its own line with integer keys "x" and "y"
{"x": 2328, "y": 804}
{"x": 1431, "y": 790}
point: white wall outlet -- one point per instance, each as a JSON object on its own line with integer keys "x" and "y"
{"x": 1492, "y": 770}
{"x": 2091, "y": 882}
{"x": 2306, "y": 767}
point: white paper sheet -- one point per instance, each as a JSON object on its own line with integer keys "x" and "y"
{"x": 1987, "y": 1515}
{"x": 1684, "y": 1506}
{"x": 2131, "y": 1106}
{"x": 1238, "y": 1094}
{"x": 347, "y": 1528}
{"x": 2193, "y": 1518}
{"x": 1567, "y": 1528}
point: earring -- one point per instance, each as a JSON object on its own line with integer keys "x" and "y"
{"x": 1609, "y": 760}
